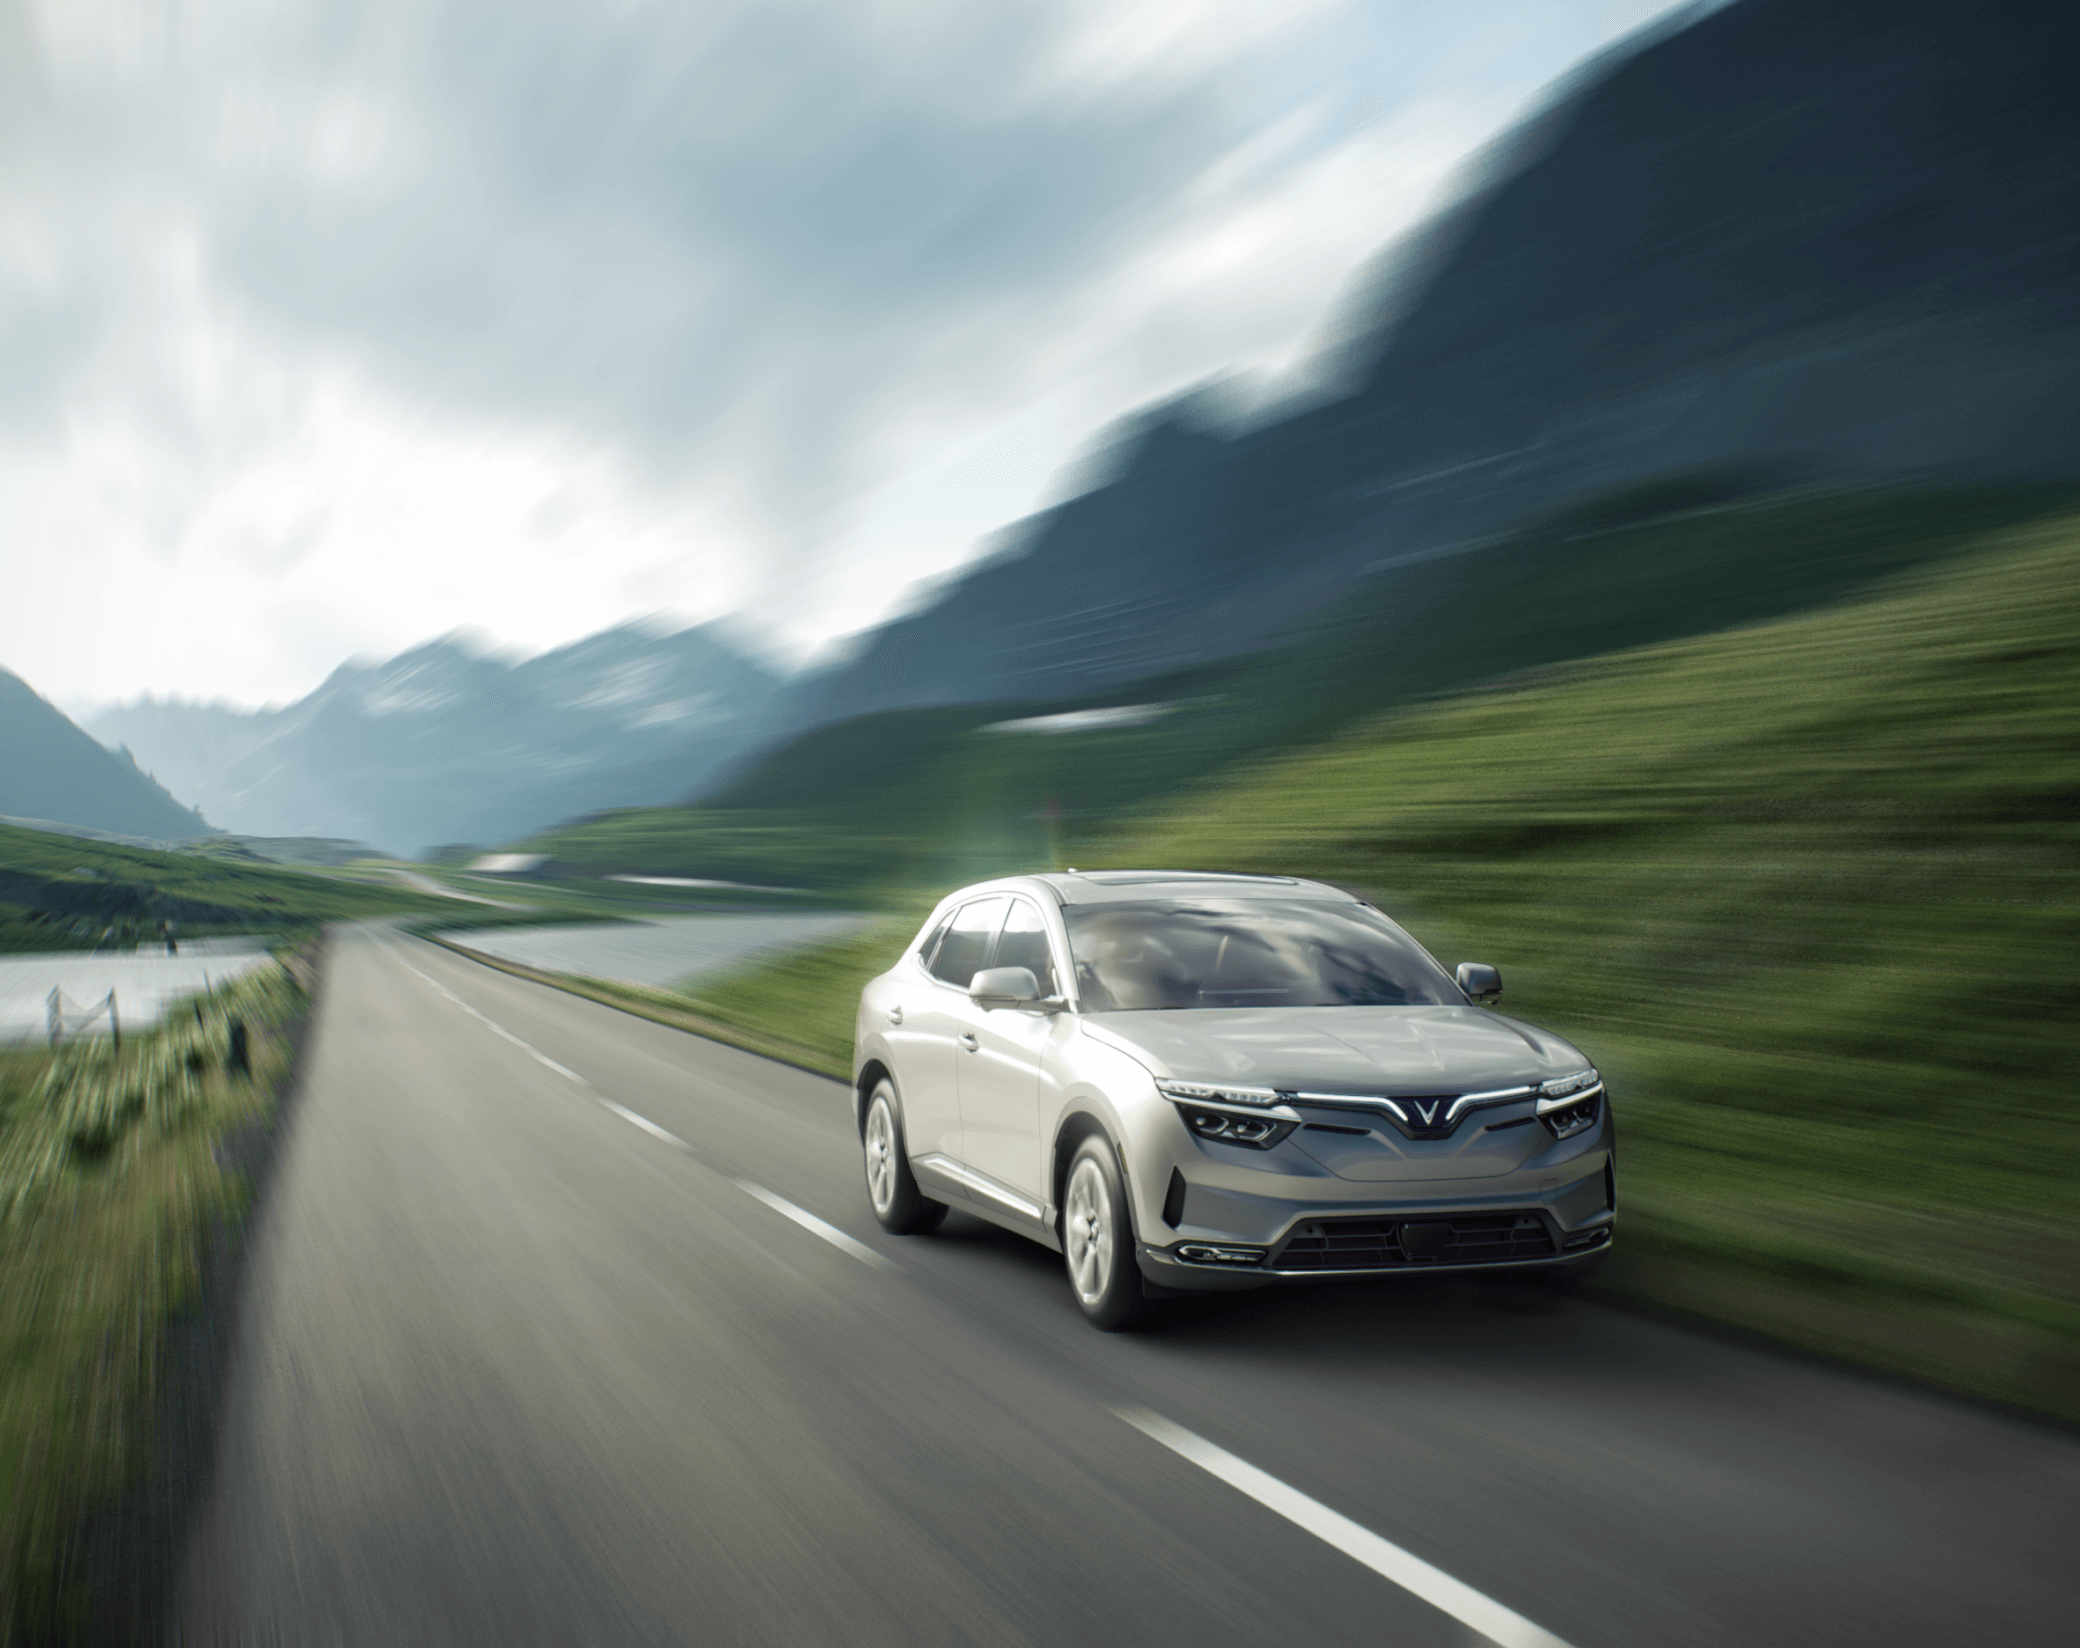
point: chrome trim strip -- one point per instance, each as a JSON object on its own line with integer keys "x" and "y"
{"x": 1393, "y": 1107}
{"x": 983, "y": 1185}
{"x": 1345, "y": 1101}
{"x": 1466, "y": 1101}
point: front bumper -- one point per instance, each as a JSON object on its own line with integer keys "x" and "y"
{"x": 1337, "y": 1246}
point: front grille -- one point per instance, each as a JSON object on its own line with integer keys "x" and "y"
{"x": 1448, "y": 1239}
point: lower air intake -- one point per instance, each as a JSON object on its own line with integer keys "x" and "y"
{"x": 1403, "y": 1244}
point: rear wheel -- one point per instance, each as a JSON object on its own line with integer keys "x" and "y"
{"x": 891, "y": 1186}
{"x": 1098, "y": 1240}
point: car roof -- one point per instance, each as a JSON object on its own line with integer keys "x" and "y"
{"x": 1132, "y": 886}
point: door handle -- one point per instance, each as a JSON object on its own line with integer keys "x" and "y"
{"x": 968, "y": 1040}
{"x": 895, "y": 1015}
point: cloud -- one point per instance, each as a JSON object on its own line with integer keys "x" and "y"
{"x": 325, "y": 326}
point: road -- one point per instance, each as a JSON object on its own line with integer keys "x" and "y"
{"x": 435, "y": 889}
{"x": 661, "y": 951}
{"x": 565, "y": 1327}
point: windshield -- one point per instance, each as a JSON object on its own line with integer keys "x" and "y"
{"x": 1247, "y": 952}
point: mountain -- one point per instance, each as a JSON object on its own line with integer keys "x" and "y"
{"x": 445, "y": 744}
{"x": 53, "y": 773}
{"x": 1793, "y": 243}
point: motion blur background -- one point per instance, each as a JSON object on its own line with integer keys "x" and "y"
{"x": 1601, "y": 479}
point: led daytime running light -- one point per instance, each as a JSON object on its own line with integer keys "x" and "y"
{"x": 1231, "y": 1095}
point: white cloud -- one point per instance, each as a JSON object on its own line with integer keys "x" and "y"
{"x": 329, "y": 325}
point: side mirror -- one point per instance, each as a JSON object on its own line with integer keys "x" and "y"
{"x": 1004, "y": 987}
{"x": 1480, "y": 981}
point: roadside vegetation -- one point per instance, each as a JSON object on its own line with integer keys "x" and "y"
{"x": 115, "y": 1180}
{"x": 1808, "y": 892}
{"x": 1806, "y": 889}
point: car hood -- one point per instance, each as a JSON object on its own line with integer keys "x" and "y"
{"x": 1358, "y": 1050}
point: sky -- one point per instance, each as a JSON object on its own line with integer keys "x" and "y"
{"x": 329, "y": 326}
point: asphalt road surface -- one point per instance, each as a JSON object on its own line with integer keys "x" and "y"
{"x": 569, "y": 1328}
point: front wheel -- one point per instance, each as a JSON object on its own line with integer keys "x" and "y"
{"x": 900, "y": 1206}
{"x": 1098, "y": 1240}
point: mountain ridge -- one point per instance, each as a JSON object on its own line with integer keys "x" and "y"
{"x": 1820, "y": 241}
{"x": 51, "y": 770}
{"x": 448, "y": 742}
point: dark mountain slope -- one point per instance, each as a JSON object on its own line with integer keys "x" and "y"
{"x": 1798, "y": 241}
{"x": 1843, "y": 233}
{"x": 51, "y": 771}
{"x": 933, "y": 796}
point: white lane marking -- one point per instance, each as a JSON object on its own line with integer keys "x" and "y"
{"x": 1469, "y": 1607}
{"x": 645, "y": 1123}
{"x": 779, "y": 1204}
{"x": 498, "y": 1029}
{"x": 627, "y": 1115}
{"x": 809, "y": 1222}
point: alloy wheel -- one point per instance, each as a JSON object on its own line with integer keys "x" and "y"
{"x": 881, "y": 1152}
{"x": 1087, "y": 1232}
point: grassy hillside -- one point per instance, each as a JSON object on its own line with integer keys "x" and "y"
{"x": 61, "y": 892}
{"x": 1806, "y": 890}
{"x": 917, "y": 797}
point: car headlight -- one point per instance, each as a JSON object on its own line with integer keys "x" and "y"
{"x": 1217, "y": 1113}
{"x": 1570, "y": 1104}
{"x": 1226, "y": 1127}
{"x": 1218, "y": 1095}
{"x": 1560, "y": 1086}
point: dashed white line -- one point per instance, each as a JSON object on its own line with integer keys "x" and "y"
{"x": 809, "y": 1222}
{"x": 645, "y": 1123}
{"x": 1469, "y": 1607}
{"x": 779, "y": 1204}
{"x": 498, "y": 1029}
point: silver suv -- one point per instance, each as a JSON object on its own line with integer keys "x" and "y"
{"x": 1185, "y": 1082}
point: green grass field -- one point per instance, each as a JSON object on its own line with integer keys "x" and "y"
{"x": 60, "y": 892}
{"x": 1806, "y": 890}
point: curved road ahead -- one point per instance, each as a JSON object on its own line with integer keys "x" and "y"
{"x": 539, "y": 1349}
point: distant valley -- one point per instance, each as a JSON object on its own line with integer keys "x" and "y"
{"x": 443, "y": 744}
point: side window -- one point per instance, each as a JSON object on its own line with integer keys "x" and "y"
{"x": 931, "y": 941}
{"x": 964, "y": 951}
{"x": 1024, "y": 944}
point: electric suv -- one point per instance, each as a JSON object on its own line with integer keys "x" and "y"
{"x": 1185, "y": 1082}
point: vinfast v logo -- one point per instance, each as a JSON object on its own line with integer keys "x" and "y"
{"x": 1427, "y": 1109}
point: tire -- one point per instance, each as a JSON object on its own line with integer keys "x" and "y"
{"x": 1098, "y": 1240}
{"x": 892, "y": 1191}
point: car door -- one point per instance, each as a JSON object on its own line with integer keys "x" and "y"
{"x": 999, "y": 1072}
{"x": 933, "y": 1020}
